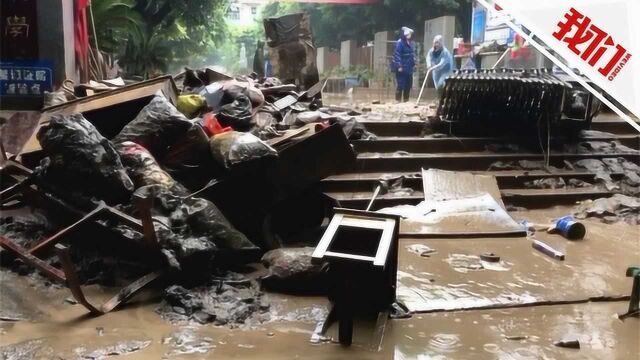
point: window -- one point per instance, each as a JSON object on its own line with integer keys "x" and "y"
{"x": 234, "y": 12}
{"x": 254, "y": 10}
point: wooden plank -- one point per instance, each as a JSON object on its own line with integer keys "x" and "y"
{"x": 103, "y": 100}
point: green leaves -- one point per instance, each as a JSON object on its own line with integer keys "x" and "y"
{"x": 152, "y": 36}
{"x": 149, "y": 36}
{"x": 114, "y": 20}
{"x": 333, "y": 23}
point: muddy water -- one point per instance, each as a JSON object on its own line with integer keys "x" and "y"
{"x": 594, "y": 267}
{"x": 525, "y": 333}
{"x": 455, "y": 278}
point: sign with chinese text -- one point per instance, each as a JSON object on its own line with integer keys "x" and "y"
{"x": 19, "y": 27}
{"x": 25, "y": 78}
{"x": 577, "y": 30}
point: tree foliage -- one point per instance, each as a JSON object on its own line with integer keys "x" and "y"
{"x": 114, "y": 20}
{"x": 333, "y": 23}
{"x": 152, "y": 36}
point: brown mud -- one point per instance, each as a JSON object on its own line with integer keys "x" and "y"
{"x": 37, "y": 322}
{"x": 466, "y": 308}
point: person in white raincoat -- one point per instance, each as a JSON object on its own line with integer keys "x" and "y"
{"x": 440, "y": 60}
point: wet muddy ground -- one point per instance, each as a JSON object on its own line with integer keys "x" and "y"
{"x": 465, "y": 308}
{"x": 40, "y": 323}
{"x": 454, "y": 277}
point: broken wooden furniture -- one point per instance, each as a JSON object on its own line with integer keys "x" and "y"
{"x": 68, "y": 276}
{"x": 303, "y": 160}
{"x": 27, "y": 188}
{"x": 362, "y": 251}
{"x": 108, "y": 111}
{"x": 634, "y": 301}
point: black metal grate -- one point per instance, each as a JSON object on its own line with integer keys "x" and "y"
{"x": 503, "y": 95}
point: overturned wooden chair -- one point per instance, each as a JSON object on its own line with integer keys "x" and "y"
{"x": 25, "y": 186}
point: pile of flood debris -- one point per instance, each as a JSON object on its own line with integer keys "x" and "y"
{"x": 615, "y": 174}
{"x": 189, "y": 185}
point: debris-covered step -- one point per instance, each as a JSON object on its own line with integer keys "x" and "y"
{"x": 613, "y": 126}
{"x": 506, "y": 179}
{"x": 457, "y": 144}
{"x": 415, "y": 127}
{"x": 404, "y": 161}
{"x": 395, "y": 128}
{"x": 529, "y": 198}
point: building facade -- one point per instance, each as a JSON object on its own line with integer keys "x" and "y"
{"x": 245, "y": 12}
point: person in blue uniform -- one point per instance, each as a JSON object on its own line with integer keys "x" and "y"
{"x": 404, "y": 61}
{"x": 440, "y": 61}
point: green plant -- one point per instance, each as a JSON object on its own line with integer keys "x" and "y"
{"x": 114, "y": 20}
{"x": 333, "y": 23}
{"x": 152, "y": 36}
{"x": 146, "y": 55}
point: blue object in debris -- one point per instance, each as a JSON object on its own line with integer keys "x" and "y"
{"x": 351, "y": 82}
{"x": 570, "y": 228}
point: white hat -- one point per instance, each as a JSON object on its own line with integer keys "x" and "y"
{"x": 406, "y": 31}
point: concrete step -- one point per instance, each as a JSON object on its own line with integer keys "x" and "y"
{"x": 529, "y": 198}
{"x": 618, "y": 126}
{"x": 453, "y": 144}
{"x": 415, "y": 128}
{"x": 506, "y": 179}
{"x": 473, "y": 161}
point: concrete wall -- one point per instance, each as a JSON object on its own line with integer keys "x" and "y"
{"x": 326, "y": 59}
{"x": 445, "y": 26}
{"x": 347, "y": 50}
{"x": 321, "y": 59}
{"x": 362, "y": 56}
{"x": 382, "y": 50}
{"x": 55, "y": 38}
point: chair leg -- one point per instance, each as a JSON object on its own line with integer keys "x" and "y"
{"x": 634, "y": 301}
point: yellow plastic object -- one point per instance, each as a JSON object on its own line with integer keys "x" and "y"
{"x": 191, "y": 104}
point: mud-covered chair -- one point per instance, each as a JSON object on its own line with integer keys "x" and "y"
{"x": 634, "y": 302}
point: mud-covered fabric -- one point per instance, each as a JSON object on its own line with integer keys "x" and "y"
{"x": 231, "y": 300}
{"x": 232, "y": 148}
{"x": 232, "y": 89}
{"x": 157, "y": 126}
{"x": 81, "y": 161}
{"x": 237, "y": 114}
{"x": 144, "y": 170}
{"x": 287, "y": 28}
{"x": 352, "y": 128}
{"x": 290, "y": 270}
{"x": 192, "y": 230}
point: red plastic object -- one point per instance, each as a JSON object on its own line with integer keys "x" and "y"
{"x": 321, "y": 126}
{"x": 212, "y": 126}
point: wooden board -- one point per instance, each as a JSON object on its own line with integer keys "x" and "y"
{"x": 104, "y": 100}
